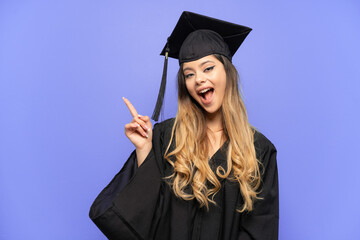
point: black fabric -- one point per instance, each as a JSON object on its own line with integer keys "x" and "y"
{"x": 144, "y": 206}
{"x": 159, "y": 101}
{"x": 202, "y": 43}
{"x": 232, "y": 35}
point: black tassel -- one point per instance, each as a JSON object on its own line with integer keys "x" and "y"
{"x": 160, "y": 99}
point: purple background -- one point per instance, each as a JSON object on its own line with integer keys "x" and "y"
{"x": 64, "y": 66}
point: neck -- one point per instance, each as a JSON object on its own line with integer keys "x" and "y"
{"x": 214, "y": 121}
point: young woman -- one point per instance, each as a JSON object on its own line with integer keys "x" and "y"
{"x": 207, "y": 174}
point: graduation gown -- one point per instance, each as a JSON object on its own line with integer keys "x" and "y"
{"x": 139, "y": 204}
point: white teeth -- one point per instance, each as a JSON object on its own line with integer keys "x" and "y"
{"x": 205, "y": 90}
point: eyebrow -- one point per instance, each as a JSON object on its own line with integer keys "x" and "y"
{"x": 201, "y": 64}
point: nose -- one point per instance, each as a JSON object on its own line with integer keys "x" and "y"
{"x": 200, "y": 78}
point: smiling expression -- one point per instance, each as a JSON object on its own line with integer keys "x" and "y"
{"x": 205, "y": 80}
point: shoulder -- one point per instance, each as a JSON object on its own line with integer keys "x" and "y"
{"x": 263, "y": 146}
{"x": 164, "y": 125}
{"x": 162, "y": 133}
{"x": 163, "y": 129}
{"x": 161, "y": 139}
{"x": 261, "y": 141}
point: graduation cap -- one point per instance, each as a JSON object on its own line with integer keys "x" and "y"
{"x": 196, "y": 36}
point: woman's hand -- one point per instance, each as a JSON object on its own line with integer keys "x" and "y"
{"x": 139, "y": 132}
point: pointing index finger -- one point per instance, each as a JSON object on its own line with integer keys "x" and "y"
{"x": 130, "y": 107}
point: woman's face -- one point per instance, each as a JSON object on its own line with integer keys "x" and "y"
{"x": 205, "y": 80}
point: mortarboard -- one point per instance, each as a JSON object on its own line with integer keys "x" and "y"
{"x": 196, "y": 36}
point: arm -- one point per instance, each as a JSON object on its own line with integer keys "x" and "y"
{"x": 125, "y": 209}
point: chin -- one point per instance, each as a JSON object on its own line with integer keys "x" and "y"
{"x": 212, "y": 110}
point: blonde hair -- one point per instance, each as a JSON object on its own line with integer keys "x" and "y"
{"x": 191, "y": 167}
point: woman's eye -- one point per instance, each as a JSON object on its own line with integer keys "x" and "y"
{"x": 209, "y": 68}
{"x": 188, "y": 75}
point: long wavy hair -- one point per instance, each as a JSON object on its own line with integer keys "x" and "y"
{"x": 192, "y": 177}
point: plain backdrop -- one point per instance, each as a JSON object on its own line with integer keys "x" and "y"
{"x": 65, "y": 65}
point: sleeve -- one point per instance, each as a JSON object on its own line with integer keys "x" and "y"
{"x": 263, "y": 222}
{"x": 124, "y": 209}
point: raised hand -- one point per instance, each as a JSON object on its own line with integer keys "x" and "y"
{"x": 139, "y": 132}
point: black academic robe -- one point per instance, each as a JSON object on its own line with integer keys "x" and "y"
{"x": 139, "y": 204}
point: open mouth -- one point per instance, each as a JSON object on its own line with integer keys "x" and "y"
{"x": 206, "y": 95}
